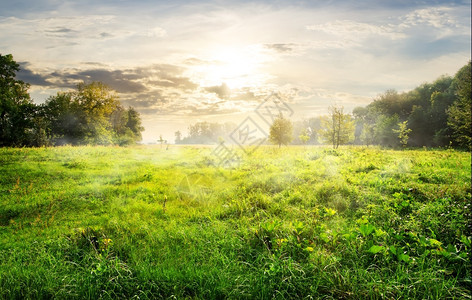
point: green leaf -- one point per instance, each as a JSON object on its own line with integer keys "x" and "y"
{"x": 324, "y": 237}
{"x": 375, "y": 249}
{"x": 362, "y": 221}
{"x": 466, "y": 241}
{"x": 423, "y": 241}
{"x": 366, "y": 229}
{"x": 379, "y": 232}
{"x": 451, "y": 248}
{"x": 349, "y": 236}
{"x": 404, "y": 257}
{"x": 435, "y": 243}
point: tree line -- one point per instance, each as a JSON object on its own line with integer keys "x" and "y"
{"x": 436, "y": 114}
{"x": 90, "y": 114}
{"x": 204, "y": 133}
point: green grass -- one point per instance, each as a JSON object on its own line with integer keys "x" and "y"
{"x": 357, "y": 223}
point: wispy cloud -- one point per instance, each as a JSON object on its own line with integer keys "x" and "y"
{"x": 352, "y": 30}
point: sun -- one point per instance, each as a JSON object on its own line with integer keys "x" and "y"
{"x": 237, "y": 67}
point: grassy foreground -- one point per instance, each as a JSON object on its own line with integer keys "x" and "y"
{"x": 146, "y": 222}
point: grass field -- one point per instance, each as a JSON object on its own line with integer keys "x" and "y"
{"x": 146, "y": 222}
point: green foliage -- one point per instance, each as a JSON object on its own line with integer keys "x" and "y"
{"x": 111, "y": 222}
{"x": 91, "y": 115}
{"x": 305, "y": 132}
{"x": 438, "y": 114}
{"x": 384, "y": 130}
{"x": 403, "y": 133}
{"x": 304, "y": 136}
{"x": 337, "y": 128}
{"x": 17, "y": 112}
{"x": 459, "y": 113}
{"x": 205, "y": 133}
{"x": 281, "y": 131}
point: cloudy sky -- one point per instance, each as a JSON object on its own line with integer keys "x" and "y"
{"x": 179, "y": 62}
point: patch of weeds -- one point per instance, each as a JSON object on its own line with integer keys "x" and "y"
{"x": 8, "y": 214}
{"x": 76, "y": 164}
{"x": 366, "y": 169}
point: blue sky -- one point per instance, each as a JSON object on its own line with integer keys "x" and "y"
{"x": 180, "y": 62}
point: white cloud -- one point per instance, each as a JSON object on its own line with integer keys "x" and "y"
{"x": 79, "y": 27}
{"x": 437, "y": 17}
{"x": 349, "y": 29}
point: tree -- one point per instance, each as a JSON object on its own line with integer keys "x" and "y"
{"x": 97, "y": 102}
{"x": 16, "y": 108}
{"x": 383, "y": 130}
{"x": 281, "y": 131}
{"x": 62, "y": 113}
{"x": 337, "y": 127}
{"x": 206, "y": 132}
{"x": 403, "y": 132}
{"x": 459, "y": 113}
{"x": 91, "y": 114}
{"x": 178, "y": 137}
{"x": 304, "y": 136}
{"x": 134, "y": 124}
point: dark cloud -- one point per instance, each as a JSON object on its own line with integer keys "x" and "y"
{"x": 126, "y": 81}
{"x": 154, "y": 89}
{"x": 92, "y": 63}
{"x": 60, "y": 30}
{"x": 30, "y": 77}
{"x": 222, "y": 91}
{"x": 146, "y": 100}
{"x": 168, "y": 76}
{"x": 119, "y": 80}
{"x": 106, "y": 35}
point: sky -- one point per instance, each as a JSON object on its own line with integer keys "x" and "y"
{"x": 181, "y": 62}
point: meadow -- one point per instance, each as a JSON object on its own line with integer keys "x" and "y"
{"x": 297, "y": 222}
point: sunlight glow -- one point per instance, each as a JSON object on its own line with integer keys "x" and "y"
{"x": 237, "y": 67}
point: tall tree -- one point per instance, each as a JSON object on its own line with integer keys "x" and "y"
{"x": 281, "y": 131}
{"x": 16, "y": 108}
{"x": 337, "y": 127}
{"x": 459, "y": 113}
